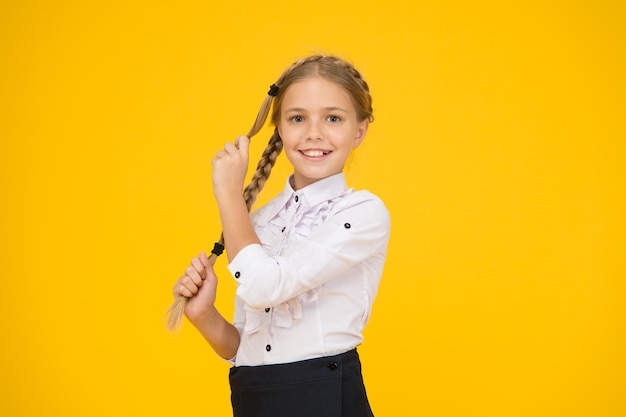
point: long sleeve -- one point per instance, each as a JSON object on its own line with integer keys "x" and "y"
{"x": 356, "y": 230}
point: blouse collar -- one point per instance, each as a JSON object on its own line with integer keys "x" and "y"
{"x": 323, "y": 190}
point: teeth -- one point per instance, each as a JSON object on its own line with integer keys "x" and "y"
{"x": 313, "y": 154}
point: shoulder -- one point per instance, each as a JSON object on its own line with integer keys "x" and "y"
{"x": 363, "y": 204}
{"x": 361, "y": 198}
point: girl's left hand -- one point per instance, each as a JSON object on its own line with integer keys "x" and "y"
{"x": 230, "y": 166}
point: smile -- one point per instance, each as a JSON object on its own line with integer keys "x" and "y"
{"x": 314, "y": 153}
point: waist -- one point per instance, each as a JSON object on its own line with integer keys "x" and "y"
{"x": 295, "y": 372}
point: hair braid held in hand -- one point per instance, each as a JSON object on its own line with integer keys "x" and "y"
{"x": 263, "y": 170}
{"x": 328, "y": 67}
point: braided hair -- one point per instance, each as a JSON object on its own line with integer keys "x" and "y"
{"x": 329, "y": 67}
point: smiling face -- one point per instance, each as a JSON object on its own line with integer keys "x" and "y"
{"x": 319, "y": 127}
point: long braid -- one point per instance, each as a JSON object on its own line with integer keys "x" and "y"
{"x": 263, "y": 170}
{"x": 176, "y": 311}
{"x": 275, "y": 144}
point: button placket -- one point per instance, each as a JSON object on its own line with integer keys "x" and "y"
{"x": 290, "y": 220}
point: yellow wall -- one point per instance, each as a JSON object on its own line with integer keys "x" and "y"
{"x": 498, "y": 147}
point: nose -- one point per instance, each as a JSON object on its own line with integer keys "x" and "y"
{"x": 314, "y": 131}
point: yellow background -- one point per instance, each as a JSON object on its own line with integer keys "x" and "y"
{"x": 498, "y": 147}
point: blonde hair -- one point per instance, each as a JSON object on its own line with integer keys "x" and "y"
{"x": 328, "y": 67}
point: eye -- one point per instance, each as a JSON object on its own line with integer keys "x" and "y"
{"x": 297, "y": 119}
{"x": 333, "y": 119}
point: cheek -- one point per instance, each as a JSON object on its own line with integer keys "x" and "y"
{"x": 288, "y": 134}
{"x": 291, "y": 156}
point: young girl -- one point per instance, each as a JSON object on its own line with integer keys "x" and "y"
{"x": 307, "y": 264}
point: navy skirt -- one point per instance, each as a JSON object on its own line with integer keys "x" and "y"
{"x": 331, "y": 386}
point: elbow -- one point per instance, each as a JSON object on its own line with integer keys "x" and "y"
{"x": 260, "y": 289}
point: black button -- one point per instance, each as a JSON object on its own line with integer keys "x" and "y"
{"x": 267, "y": 310}
{"x": 283, "y": 231}
{"x": 237, "y": 274}
{"x": 297, "y": 199}
{"x": 268, "y": 348}
{"x": 347, "y": 225}
{"x": 333, "y": 365}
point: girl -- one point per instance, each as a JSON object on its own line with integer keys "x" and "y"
{"x": 307, "y": 264}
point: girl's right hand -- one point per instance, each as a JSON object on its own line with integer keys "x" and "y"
{"x": 230, "y": 166}
{"x": 199, "y": 285}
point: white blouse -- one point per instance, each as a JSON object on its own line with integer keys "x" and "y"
{"x": 308, "y": 290}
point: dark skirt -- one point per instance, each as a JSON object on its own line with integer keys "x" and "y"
{"x": 331, "y": 386}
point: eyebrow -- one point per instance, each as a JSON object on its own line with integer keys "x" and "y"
{"x": 300, "y": 109}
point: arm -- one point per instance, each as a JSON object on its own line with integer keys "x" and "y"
{"x": 356, "y": 233}
{"x": 221, "y": 335}
{"x": 229, "y": 170}
{"x": 199, "y": 284}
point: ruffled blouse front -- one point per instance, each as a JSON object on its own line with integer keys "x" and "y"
{"x": 307, "y": 291}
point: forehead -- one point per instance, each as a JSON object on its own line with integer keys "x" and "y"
{"x": 316, "y": 91}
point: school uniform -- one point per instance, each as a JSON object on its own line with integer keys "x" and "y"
{"x": 303, "y": 299}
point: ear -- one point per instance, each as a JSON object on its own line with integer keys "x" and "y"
{"x": 361, "y": 130}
